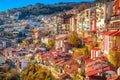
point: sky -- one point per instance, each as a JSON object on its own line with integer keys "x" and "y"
{"x": 9, "y": 4}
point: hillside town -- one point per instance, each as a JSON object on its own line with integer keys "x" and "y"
{"x": 79, "y": 44}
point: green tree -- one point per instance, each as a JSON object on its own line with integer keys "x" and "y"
{"x": 73, "y": 39}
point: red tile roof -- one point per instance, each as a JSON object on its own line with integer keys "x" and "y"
{"x": 74, "y": 67}
{"x": 58, "y": 60}
{"x": 98, "y": 65}
{"x": 94, "y": 72}
{"x": 88, "y": 60}
{"x": 98, "y": 59}
{"x": 69, "y": 62}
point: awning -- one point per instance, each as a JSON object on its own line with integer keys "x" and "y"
{"x": 92, "y": 30}
{"x": 115, "y": 48}
{"x": 87, "y": 40}
{"x": 110, "y": 32}
{"x": 116, "y": 34}
{"x": 96, "y": 48}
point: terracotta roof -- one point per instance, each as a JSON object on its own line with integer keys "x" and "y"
{"x": 74, "y": 67}
{"x": 58, "y": 60}
{"x": 68, "y": 62}
{"x": 98, "y": 59}
{"x": 88, "y": 60}
{"x": 98, "y": 65}
{"x": 94, "y": 72}
{"x": 51, "y": 55}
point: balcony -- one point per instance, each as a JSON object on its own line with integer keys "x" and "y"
{"x": 113, "y": 27}
{"x": 114, "y": 23}
{"x": 115, "y": 19}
